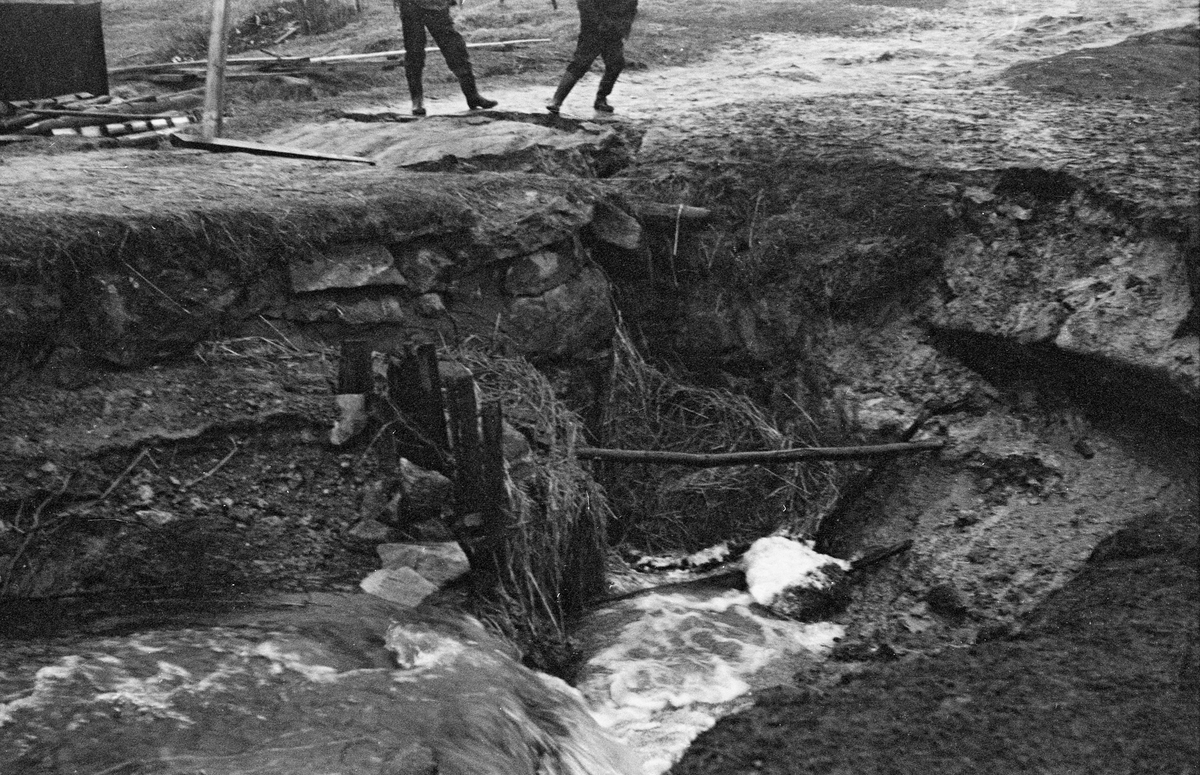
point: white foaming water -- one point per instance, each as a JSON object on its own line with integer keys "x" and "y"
{"x": 775, "y": 563}
{"x": 672, "y": 664}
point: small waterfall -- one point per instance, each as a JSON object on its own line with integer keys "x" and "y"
{"x": 663, "y": 667}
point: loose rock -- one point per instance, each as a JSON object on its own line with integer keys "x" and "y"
{"x": 403, "y": 586}
{"x": 440, "y": 562}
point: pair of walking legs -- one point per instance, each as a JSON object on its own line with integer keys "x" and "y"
{"x": 414, "y": 20}
{"x": 593, "y": 42}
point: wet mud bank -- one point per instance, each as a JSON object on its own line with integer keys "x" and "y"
{"x": 1039, "y": 323}
{"x": 1101, "y": 677}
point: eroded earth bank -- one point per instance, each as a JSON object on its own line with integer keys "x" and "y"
{"x": 970, "y": 224}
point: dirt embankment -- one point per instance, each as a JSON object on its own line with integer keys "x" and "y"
{"x": 1102, "y": 678}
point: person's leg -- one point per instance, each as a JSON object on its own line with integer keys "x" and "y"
{"x": 586, "y": 50}
{"x": 454, "y": 49}
{"x": 614, "y": 62}
{"x": 413, "y": 30}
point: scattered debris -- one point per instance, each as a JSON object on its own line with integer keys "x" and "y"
{"x": 91, "y": 116}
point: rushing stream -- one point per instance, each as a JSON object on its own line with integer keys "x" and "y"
{"x": 664, "y": 667}
{"x": 349, "y": 683}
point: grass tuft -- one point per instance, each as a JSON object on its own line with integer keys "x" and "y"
{"x": 670, "y": 508}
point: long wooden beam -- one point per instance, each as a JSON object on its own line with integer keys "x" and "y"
{"x": 261, "y": 149}
{"x": 698, "y": 460}
{"x": 300, "y": 60}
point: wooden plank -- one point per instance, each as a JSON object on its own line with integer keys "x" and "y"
{"x": 142, "y": 139}
{"x": 129, "y": 127}
{"x": 160, "y": 67}
{"x": 696, "y": 460}
{"x": 220, "y": 145}
{"x": 100, "y": 116}
{"x": 18, "y": 122}
{"x": 399, "y": 52}
{"x": 432, "y": 411}
{"x": 83, "y": 95}
{"x": 354, "y": 367}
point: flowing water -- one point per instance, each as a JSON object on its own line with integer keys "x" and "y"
{"x": 664, "y": 666}
{"x": 349, "y": 684}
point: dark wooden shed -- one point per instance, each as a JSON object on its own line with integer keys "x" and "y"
{"x": 51, "y": 47}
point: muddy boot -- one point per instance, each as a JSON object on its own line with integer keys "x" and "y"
{"x": 565, "y": 85}
{"x": 416, "y": 92}
{"x": 475, "y": 100}
{"x": 606, "y": 87}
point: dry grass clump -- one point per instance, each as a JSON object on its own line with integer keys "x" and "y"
{"x": 664, "y": 508}
{"x": 553, "y": 553}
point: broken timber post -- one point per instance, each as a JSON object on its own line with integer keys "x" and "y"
{"x": 417, "y": 410}
{"x": 464, "y": 434}
{"x": 697, "y": 460}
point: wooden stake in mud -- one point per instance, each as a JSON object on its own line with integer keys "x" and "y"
{"x": 464, "y": 432}
{"x": 491, "y": 471}
{"x": 415, "y": 391}
{"x": 214, "y": 83}
{"x": 431, "y": 412}
{"x": 354, "y": 367}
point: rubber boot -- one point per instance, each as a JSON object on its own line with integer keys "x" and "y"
{"x": 606, "y": 87}
{"x": 565, "y": 84}
{"x": 475, "y": 100}
{"x": 416, "y": 92}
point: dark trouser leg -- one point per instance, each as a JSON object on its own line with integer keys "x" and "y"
{"x": 565, "y": 84}
{"x": 614, "y": 62}
{"x": 454, "y": 49}
{"x": 413, "y": 30}
{"x": 587, "y": 48}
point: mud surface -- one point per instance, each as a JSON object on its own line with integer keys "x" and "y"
{"x": 1101, "y": 678}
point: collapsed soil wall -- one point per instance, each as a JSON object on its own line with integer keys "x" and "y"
{"x": 1018, "y": 264}
{"x": 398, "y": 255}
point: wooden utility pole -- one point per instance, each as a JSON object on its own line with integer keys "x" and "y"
{"x": 214, "y": 83}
